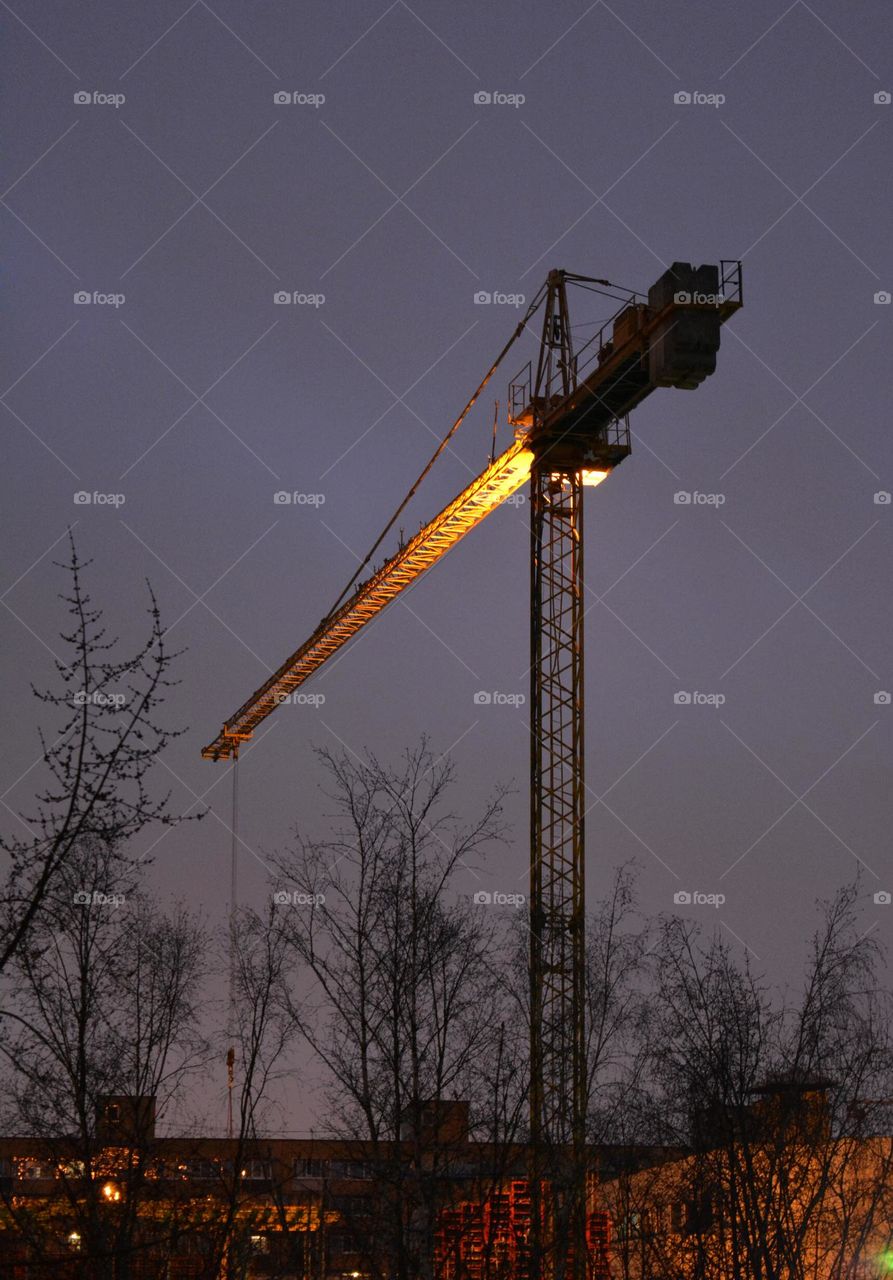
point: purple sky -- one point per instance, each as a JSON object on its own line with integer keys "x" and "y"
{"x": 399, "y": 197}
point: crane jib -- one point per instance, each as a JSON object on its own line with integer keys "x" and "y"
{"x": 500, "y": 480}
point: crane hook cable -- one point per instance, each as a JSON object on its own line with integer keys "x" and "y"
{"x": 233, "y": 948}
{"x": 522, "y": 324}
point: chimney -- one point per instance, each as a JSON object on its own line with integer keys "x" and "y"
{"x": 124, "y": 1119}
{"x": 442, "y": 1122}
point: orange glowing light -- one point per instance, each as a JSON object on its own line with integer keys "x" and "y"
{"x": 504, "y": 476}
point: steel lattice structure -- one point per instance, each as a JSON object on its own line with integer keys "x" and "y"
{"x": 557, "y": 805}
{"x": 557, "y": 894}
{"x": 557, "y": 866}
{"x": 500, "y": 480}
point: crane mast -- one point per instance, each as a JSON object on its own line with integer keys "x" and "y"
{"x": 557, "y": 863}
{"x": 570, "y": 414}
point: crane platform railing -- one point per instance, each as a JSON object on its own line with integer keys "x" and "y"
{"x": 626, "y": 329}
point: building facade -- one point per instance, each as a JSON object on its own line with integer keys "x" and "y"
{"x": 132, "y": 1205}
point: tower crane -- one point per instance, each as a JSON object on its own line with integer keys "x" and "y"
{"x": 569, "y": 409}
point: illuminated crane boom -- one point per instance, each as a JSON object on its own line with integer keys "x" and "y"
{"x": 501, "y": 479}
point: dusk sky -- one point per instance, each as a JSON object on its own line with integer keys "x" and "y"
{"x": 181, "y": 197}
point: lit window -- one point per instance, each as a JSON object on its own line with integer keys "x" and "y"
{"x": 359, "y": 1170}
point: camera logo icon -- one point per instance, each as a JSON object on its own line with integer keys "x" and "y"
{"x": 882, "y": 498}
{"x": 81, "y": 98}
{"x": 882, "y": 98}
{"x": 682, "y": 498}
{"x": 681, "y": 298}
{"x": 482, "y": 898}
{"x": 482, "y": 698}
{"x": 482, "y": 98}
{"x": 882, "y": 698}
{"x": 482, "y": 297}
{"x": 682, "y": 99}
{"x": 281, "y": 898}
{"x": 682, "y": 898}
{"x": 882, "y": 298}
{"x": 281, "y": 298}
{"x": 882, "y": 898}
{"x": 82, "y": 297}
{"x": 81, "y": 498}
{"x": 281, "y": 498}
{"x": 281, "y": 98}
{"x": 682, "y": 698}
{"x": 82, "y": 899}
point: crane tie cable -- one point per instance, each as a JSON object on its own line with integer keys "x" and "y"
{"x": 443, "y": 444}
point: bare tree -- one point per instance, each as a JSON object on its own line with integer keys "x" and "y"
{"x": 263, "y": 1028}
{"x": 98, "y": 758}
{"x": 617, "y": 948}
{"x": 778, "y": 1105}
{"x": 411, "y": 1006}
{"x": 103, "y": 1004}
